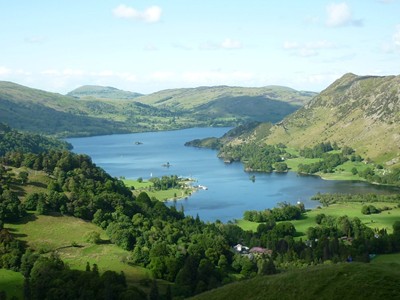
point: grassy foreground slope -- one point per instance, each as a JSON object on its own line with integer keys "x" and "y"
{"x": 340, "y": 281}
{"x": 68, "y": 237}
{"x": 11, "y": 283}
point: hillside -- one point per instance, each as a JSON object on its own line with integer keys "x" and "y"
{"x": 39, "y": 111}
{"x": 12, "y": 140}
{"x": 102, "y": 92}
{"x": 341, "y": 281}
{"x": 269, "y": 103}
{"x": 359, "y": 111}
{"x": 43, "y": 112}
{"x": 96, "y": 110}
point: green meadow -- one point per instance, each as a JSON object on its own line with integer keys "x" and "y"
{"x": 11, "y": 283}
{"x": 384, "y": 219}
{"x": 67, "y": 236}
{"x": 331, "y": 281}
{"x": 161, "y": 195}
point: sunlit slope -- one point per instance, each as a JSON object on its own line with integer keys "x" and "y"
{"x": 102, "y": 92}
{"x": 340, "y": 281}
{"x": 359, "y": 111}
{"x": 35, "y": 110}
{"x": 270, "y": 103}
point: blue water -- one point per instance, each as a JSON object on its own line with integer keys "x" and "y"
{"x": 230, "y": 190}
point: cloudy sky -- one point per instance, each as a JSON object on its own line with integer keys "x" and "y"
{"x": 146, "y": 46}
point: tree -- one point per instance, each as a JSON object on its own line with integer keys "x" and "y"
{"x": 93, "y": 237}
{"x": 281, "y": 167}
{"x": 153, "y": 295}
{"x": 354, "y": 171}
{"x": 23, "y": 176}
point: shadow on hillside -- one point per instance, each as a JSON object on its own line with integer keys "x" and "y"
{"x": 18, "y": 190}
{"x": 38, "y": 184}
{"x": 104, "y": 242}
{"x": 30, "y": 217}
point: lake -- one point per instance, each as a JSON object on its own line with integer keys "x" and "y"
{"x": 230, "y": 191}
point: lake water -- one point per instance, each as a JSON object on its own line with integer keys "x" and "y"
{"x": 230, "y": 190}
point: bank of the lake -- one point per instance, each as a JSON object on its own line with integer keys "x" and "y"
{"x": 383, "y": 220}
{"x": 231, "y": 191}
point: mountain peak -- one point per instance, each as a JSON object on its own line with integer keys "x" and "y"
{"x": 359, "y": 111}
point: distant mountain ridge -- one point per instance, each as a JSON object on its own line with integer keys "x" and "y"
{"x": 359, "y": 111}
{"x": 96, "y": 110}
{"x": 270, "y": 103}
{"x": 102, "y": 92}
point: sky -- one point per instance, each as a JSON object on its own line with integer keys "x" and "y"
{"x": 146, "y": 46}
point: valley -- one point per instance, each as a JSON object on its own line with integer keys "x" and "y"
{"x": 96, "y": 215}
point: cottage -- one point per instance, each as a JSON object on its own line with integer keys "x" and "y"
{"x": 260, "y": 250}
{"x": 241, "y": 249}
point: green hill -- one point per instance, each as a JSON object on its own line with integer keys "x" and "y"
{"x": 13, "y": 140}
{"x": 269, "y": 103}
{"x": 102, "y": 92}
{"x": 50, "y": 113}
{"x": 93, "y": 110}
{"x": 358, "y": 111}
{"x": 340, "y": 281}
{"x": 39, "y": 111}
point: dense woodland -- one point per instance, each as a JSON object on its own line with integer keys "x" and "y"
{"x": 193, "y": 255}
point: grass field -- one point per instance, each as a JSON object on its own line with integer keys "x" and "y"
{"x": 138, "y": 185}
{"x": 49, "y": 233}
{"x": 293, "y": 163}
{"x": 384, "y": 219}
{"x": 12, "y": 283}
{"x": 386, "y": 258}
{"x": 163, "y": 195}
{"x": 337, "y": 281}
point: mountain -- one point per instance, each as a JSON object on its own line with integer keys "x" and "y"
{"x": 267, "y": 104}
{"x": 92, "y": 110}
{"x": 102, "y": 92}
{"x": 39, "y": 111}
{"x": 358, "y": 111}
{"x": 339, "y": 281}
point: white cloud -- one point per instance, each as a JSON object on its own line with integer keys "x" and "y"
{"x": 216, "y": 77}
{"x": 339, "y": 14}
{"x": 106, "y": 73}
{"x": 231, "y": 44}
{"x": 50, "y": 72}
{"x": 290, "y": 45}
{"x": 73, "y": 72}
{"x": 151, "y": 14}
{"x": 396, "y": 37}
{"x": 4, "y": 71}
{"x": 307, "y": 49}
{"x": 228, "y": 43}
{"x": 150, "y": 47}
{"x": 35, "y": 40}
{"x": 182, "y": 46}
{"x": 162, "y": 76}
